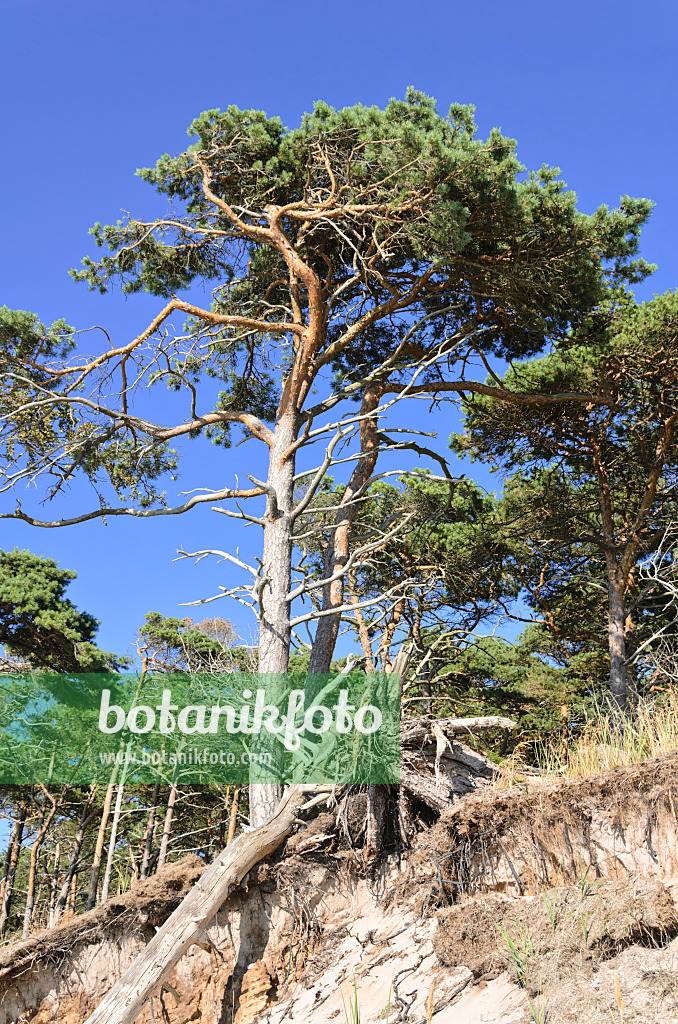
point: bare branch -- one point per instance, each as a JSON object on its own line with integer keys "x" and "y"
{"x": 199, "y": 555}
{"x": 320, "y": 473}
{"x": 311, "y": 616}
{"x": 140, "y": 513}
{"x": 271, "y": 493}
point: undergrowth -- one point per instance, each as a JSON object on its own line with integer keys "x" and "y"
{"x": 602, "y": 743}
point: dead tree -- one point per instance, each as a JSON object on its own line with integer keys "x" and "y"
{"x": 112, "y": 841}
{"x": 99, "y": 846}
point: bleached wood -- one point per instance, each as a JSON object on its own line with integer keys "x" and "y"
{"x": 421, "y": 728}
{"x": 185, "y": 926}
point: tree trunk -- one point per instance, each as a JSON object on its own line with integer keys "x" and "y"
{"x": 274, "y": 587}
{"x": 30, "y": 888}
{"x": 631, "y": 642}
{"x": 150, "y": 828}
{"x": 53, "y": 885}
{"x": 384, "y": 652}
{"x": 99, "y": 848}
{"x": 17, "y": 833}
{"x": 615, "y": 592}
{"x": 616, "y": 638}
{"x": 8, "y": 857}
{"x": 118, "y": 807}
{"x": 43, "y": 828}
{"x": 70, "y": 909}
{"x": 224, "y": 818}
{"x": 44, "y": 884}
{"x": 426, "y": 676}
{"x": 564, "y": 733}
{"x": 132, "y": 859}
{"x": 363, "y": 633}
{"x": 185, "y": 926}
{"x": 75, "y": 853}
{"x": 167, "y": 825}
{"x": 112, "y": 841}
{"x": 338, "y": 546}
{"x": 13, "y": 852}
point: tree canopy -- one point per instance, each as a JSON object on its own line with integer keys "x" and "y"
{"x": 38, "y": 625}
{"x": 590, "y": 490}
{"x": 326, "y": 243}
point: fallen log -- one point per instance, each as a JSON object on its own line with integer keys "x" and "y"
{"x": 439, "y": 771}
{"x": 186, "y": 925}
{"x": 420, "y": 728}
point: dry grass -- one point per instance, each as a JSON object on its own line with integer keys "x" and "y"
{"x": 603, "y": 744}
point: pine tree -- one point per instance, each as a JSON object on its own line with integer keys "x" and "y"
{"x": 38, "y": 625}
{"x": 369, "y": 254}
{"x": 591, "y": 489}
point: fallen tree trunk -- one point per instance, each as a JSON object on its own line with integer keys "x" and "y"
{"x": 420, "y": 728}
{"x": 186, "y": 925}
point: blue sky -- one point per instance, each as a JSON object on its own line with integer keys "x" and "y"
{"x": 93, "y": 91}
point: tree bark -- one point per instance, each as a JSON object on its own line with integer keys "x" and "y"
{"x": 14, "y": 852}
{"x": 186, "y": 925}
{"x": 99, "y": 848}
{"x": 150, "y": 828}
{"x": 276, "y": 576}
{"x": 75, "y": 853}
